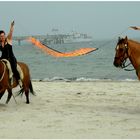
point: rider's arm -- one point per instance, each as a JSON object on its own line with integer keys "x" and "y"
{"x": 9, "y": 37}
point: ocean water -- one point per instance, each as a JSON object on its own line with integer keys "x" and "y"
{"x": 97, "y": 65}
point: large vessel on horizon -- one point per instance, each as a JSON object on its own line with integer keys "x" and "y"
{"x": 77, "y": 37}
{"x": 73, "y": 37}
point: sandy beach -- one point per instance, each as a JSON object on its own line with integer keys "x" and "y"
{"x": 74, "y": 110}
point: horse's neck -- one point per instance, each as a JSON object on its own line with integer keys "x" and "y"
{"x": 134, "y": 53}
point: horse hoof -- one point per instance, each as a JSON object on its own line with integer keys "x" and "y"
{"x": 27, "y": 102}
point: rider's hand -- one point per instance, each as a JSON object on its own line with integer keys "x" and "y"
{"x": 12, "y": 24}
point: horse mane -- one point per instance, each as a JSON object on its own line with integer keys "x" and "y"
{"x": 122, "y": 40}
{"x": 134, "y": 42}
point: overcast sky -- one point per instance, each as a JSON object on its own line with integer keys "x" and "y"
{"x": 98, "y": 19}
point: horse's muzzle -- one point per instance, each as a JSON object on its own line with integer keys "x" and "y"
{"x": 116, "y": 64}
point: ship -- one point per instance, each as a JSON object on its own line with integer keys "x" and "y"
{"x": 77, "y": 37}
{"x": 58, "y": 38}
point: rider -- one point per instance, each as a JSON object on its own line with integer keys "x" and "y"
{"x": 7, "y": 51}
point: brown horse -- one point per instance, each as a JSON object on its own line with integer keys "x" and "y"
{"x": 6, "y": 85}
{"x": 128, "y": 49}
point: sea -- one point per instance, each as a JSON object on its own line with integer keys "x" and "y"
{"x": 95, "y": 66}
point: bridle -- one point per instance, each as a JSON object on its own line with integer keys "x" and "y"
{"x": 125, "y": 53}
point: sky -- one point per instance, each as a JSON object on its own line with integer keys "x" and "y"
{"x": 101, "y": 19}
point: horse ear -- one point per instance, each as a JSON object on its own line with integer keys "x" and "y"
{"x": 119, "y": 38}
{"x": 126, "y": 38}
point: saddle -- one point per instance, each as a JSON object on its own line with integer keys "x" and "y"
{"x": 11, "y": 75}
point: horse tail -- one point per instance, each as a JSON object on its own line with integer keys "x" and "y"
{"x": 22, "y": 90}
{"x": 31, "y": 88}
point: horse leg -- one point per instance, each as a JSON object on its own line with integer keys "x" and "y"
{"x": 1, "y": 94}
{"x": 27, "y": 96}
{"x": 9, "y": 95}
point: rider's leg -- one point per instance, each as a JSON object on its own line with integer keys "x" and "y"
{"x": 15, "y": 72}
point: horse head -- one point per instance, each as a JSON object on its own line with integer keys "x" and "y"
{"x": 121, "y": 52}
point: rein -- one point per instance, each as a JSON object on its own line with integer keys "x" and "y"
{"x": 124, "y": 66}
{"x": 3, "y": 72}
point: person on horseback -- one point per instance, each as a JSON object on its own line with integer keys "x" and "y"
{"x": 7, "y": 51}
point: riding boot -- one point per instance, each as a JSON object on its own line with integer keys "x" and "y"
{"x": 17, "y": 77}
{"x": 18, "y": 80}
